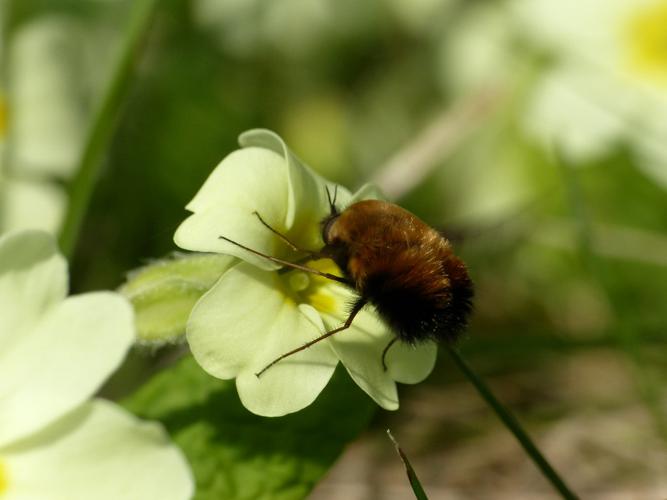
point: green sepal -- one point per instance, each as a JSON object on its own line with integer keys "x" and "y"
{"x": 164, "y": 292}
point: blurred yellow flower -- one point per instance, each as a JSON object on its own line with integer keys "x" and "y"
{"x": 597, "y": 74}
{"x": 647, "y": 42}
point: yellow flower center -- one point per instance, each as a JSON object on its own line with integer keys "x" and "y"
{"x": 318, "y": 291}
{"x": 646, "y": 42}
{"x": 299, "y": 281}
{"x": 4, "y": 481}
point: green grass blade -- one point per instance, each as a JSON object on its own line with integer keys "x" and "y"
{"x": 417, "y": 488}
{"x": 513, "y": 425}
{"x": 103, "y": 124}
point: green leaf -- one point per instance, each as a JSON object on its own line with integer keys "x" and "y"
{"x": 238, "y": 455}
{"x": 415, "y": 484}
{"x": 164, "y": 293}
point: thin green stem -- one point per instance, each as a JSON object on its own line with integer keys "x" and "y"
{"x": 513, "y": 425}
{"x": 104, "y": 123}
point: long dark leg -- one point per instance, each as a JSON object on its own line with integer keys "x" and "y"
{"x": 386, "y": 349}
{"x": 287, "y": 263}
{"x": 358, "y": 305}
{"x": 285, "y": 239}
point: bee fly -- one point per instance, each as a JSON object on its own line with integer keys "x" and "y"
{"x": 395, "y": 262}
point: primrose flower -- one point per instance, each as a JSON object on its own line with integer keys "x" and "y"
{"x": 258, "y": 311}
{"x": 55, "y": 352}
{"x": 601, "y": 79}
{"x": 52, "y": 78}
{"x": 608, "y": 82}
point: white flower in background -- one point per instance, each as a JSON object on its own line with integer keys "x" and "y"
{"x": 53, "y": 76}
{"x": 421, "y": 16}
{"x": 603, "y": 81}
{"x": 479, "y": 51}
{"x": 55, "y": 352}
{"x": 257, "y": 311}
{"x": 608, "y": 81}
{"x": 291, "y": 28}
{"x": 30, "y": 204}
{"x": 44, "y": 124}
{"x": 47, "y": 96}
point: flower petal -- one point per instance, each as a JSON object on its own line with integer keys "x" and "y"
{"x": 235, "y": 182}
{"x": 359, "y": 347}
{"x": 360, "y": 350}
{"x": 62, "y": 360}
{"x": 31, "y": 205}
{"x": 33, "y": 277}
{"x": 307, "y": 197}
{"x": 266, "y": 178}
{"x": 411, "y": 364}
{"x": 246, "y": 181}
{"x": 367, "y": 192}
{"x": 246, "y": 321}
{"x": 565, "y": 93}
{"x": 98, "y": 451}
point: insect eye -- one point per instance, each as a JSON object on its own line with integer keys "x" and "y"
{"x": 326, "y": 224}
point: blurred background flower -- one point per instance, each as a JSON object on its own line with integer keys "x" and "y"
{"x": 52, "y": 67}
{"x": 594, "y": 77}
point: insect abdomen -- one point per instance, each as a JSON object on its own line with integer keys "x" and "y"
{"x": 419, "y": 306}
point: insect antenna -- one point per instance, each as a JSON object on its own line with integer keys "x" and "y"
{"x": 287, "y": 263}
{"x": 358, "y": 305}
{"x": 284, "y": 238}
{"x": 332, "y": 203}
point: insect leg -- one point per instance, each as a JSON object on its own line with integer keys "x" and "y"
{"x": 293, "y": 265}
{"x": 358, "y": 305}
{"x": 384, "y": 352}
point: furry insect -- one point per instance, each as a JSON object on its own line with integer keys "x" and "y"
{"x": 395, "y": 262}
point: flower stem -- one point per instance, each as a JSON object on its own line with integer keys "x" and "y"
{"x": 513, "y": 425}
{"x": 103, "y": 124}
